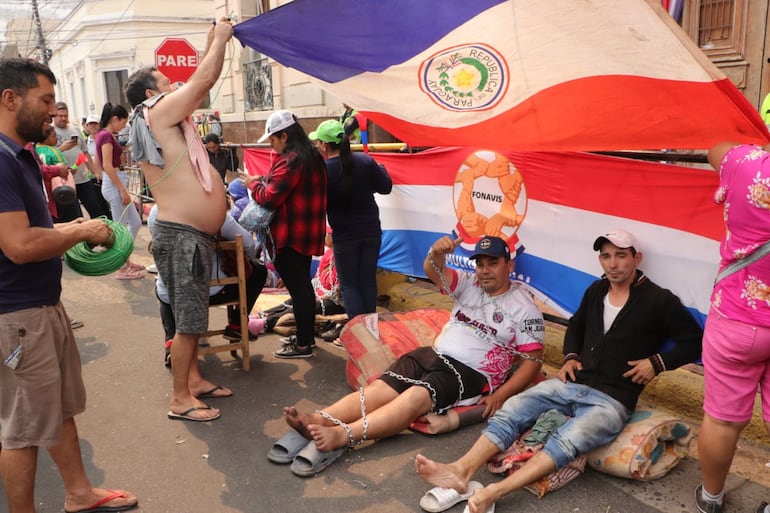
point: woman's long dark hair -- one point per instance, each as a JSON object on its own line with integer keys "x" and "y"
{"x": 110, "y": 110}
{"x": 346, "y": 164}
{"x": 298, "y": 142}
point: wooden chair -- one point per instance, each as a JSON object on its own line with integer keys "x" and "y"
{"x": 243, "y": 344}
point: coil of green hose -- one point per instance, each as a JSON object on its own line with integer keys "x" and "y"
{"x": 88, "y": 261}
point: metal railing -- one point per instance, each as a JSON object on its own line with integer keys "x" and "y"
{"x": 137, "y": 187}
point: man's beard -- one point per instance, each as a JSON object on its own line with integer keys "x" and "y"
{"x": 29, "y": 129}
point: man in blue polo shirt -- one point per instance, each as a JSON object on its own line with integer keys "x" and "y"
{"x": 41, "y": 388}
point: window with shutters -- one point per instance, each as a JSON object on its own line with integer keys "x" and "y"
{"x": 718, "y": 27}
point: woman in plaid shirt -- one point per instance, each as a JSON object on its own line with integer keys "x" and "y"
{"x": 295, "y": 189}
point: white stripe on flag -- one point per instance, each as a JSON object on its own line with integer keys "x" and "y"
{"x": 532, "y": 37}
{"x": 680, "y": 261}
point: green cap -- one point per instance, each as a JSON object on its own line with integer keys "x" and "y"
{"x": 330, "y": 131}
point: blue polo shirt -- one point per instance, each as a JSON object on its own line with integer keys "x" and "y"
{"x": 21, "y": 189}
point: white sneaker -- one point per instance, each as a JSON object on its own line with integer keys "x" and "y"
{"x": 152, "y": 268}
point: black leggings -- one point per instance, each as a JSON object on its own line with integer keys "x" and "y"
{"x": 294, "y": 270}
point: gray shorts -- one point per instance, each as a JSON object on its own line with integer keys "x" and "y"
{"x": 183, "y": 256}
{"x": 46, "y": 387}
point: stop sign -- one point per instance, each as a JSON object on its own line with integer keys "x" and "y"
{"x": 176, "y": 58}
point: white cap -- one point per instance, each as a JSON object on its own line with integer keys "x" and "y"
{"x": 278, "y": 120}
{"x": 620, "y": 238}
{"x": 92, "y": 118}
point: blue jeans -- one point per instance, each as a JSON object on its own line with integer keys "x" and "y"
{"x": 356, "y": 262}
{"x": 595, "y": 418}
{"x": 126, "y": 214}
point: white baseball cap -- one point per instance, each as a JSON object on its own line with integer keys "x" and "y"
{"x": 620, "y": 238}
{"x": 92, "y": 118}
{"x": 278, "y": 120}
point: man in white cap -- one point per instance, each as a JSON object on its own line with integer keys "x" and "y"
{"x": 612, "y": 349}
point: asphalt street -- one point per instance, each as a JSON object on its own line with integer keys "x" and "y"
{"x": 220, "y": 467}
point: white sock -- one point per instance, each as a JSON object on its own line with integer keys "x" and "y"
{"x": 718, "y": 498}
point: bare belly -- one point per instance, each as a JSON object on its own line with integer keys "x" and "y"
{"x": 181, "y": 199}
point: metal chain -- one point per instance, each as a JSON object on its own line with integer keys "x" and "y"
{"x": 441, "y": 275}
{"x": 433, "y": 395}
{"x": 338, "y": 422}
{"x": 417, "y": 382}
{"x": 364, "y": 420}
{"x": 461, "y": 390}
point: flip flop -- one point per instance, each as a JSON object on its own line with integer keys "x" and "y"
{"x": 490, "y": 509}
{"x": 286, "y": 448}
{"x": 135, "y": 267}
{"x": 129, "y": 274}
{"x": 441, "y": 499}
{"x": 185, "y": 415}
{"x": 310, "y": 461}
{"x": 99, "y": 506}
{"x": 210, "y": 394}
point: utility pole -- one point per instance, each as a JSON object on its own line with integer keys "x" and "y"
{"x": 44, "y": 52}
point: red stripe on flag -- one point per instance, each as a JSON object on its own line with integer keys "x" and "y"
{"x": 660, "y": 194}
{"x": 633, "y": 113}
{"x": 672, "y": 196}
{"x": 666, "y": 195}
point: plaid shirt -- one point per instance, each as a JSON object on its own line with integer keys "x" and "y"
{"x": 298, "y": 198}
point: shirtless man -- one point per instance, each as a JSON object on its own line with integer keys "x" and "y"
{"x": 191, "y": 207}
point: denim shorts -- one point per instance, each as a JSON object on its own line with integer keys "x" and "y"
{"x": 595, "y": 418}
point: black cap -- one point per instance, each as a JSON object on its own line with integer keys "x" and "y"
{"x": 211, "y": 137}
{"x": 492, "y": 246}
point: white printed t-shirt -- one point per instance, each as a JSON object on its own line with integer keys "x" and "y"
{"x": 483, "y": 331}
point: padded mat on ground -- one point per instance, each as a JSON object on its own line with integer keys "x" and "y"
{"x": 374, "y": 341}
{"x": 651, "y": 444}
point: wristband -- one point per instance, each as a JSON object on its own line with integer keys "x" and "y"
{"x": 568, "y": 357}
{"x": 657, "y": 363}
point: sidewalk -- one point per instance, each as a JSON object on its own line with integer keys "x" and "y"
{"x": 220, "y": 467}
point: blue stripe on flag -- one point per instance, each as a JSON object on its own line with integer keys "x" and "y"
{"x": 336, "y": 39}
{"x": 403, "y": 251}
{"x": 561, "y": 284}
